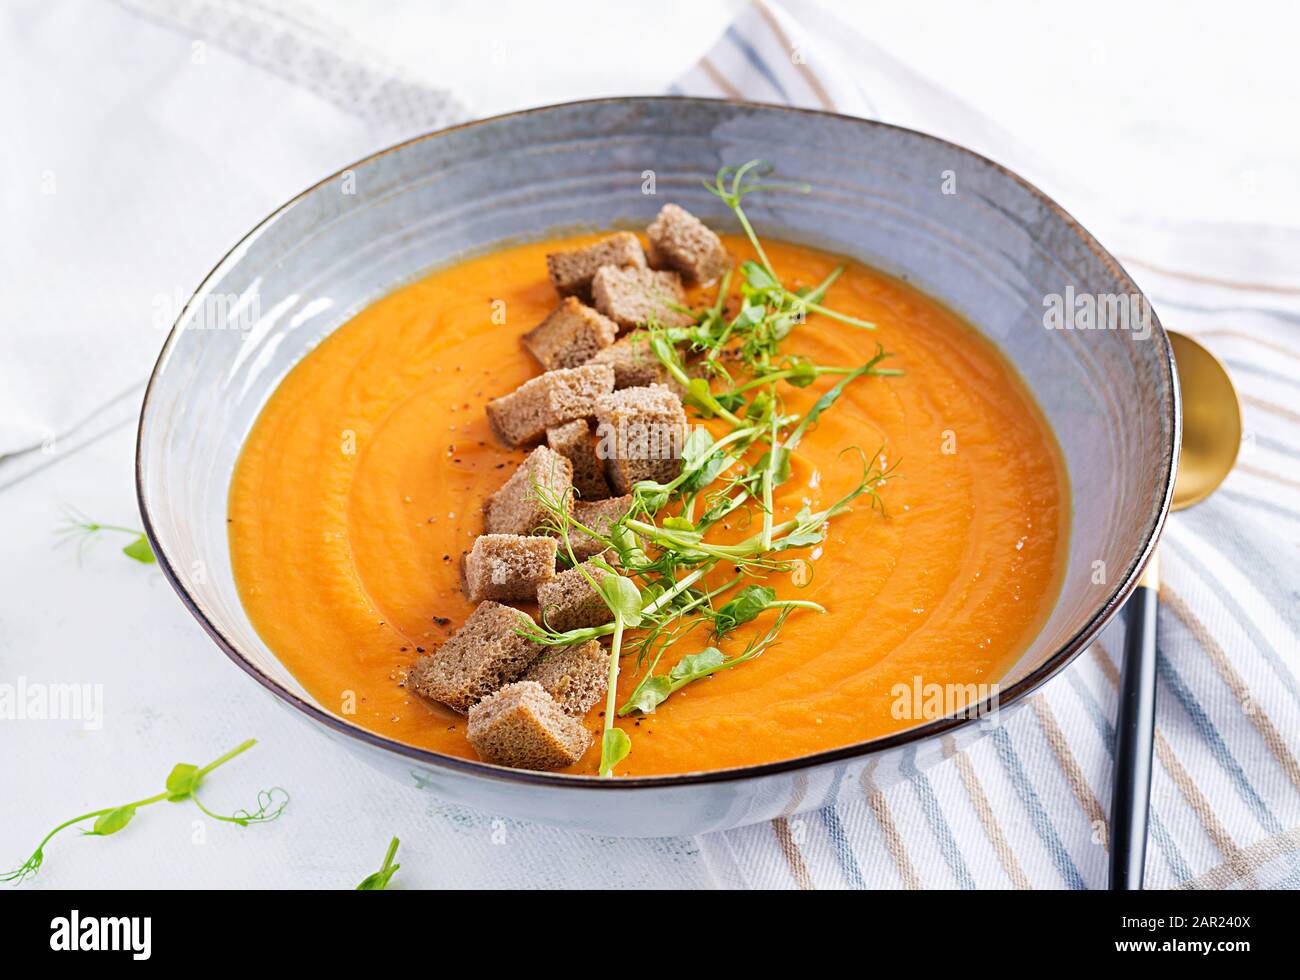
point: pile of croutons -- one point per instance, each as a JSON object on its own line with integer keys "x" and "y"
{"x": 602, "y": 416}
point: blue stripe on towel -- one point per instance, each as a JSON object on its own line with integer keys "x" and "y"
{"x": 1275, "y": 584}
{"x": 756, "y": 59}
{"x": 1276, "y": 377}
{"x": 937, "y": 821}
{"x": 1218, "y": 747}
{"x": 840, "y": 845}
{"x": 1037, "y": 812}
{"x": 1276, "y": 446}
{"x": 1246, "y": 501}
{"x": 1106, "y": 732}
{"x": 1276, "y": 312}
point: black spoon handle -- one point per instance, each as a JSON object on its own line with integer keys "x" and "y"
{"x": 1134, "y": 737}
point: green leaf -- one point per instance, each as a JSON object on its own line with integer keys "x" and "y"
{"x": 697, "y": 447}
{"x": 614, "y": 748}
{"x": 652, "y": 499}
{"x": 730, "y": 400}
{"x": 805, "y": 372}
{"x": 649, "y": 694}
{"x": 113, "y": 821}
{"x": 182, "y": 781}
{"x": 377, "y": 881}
{"x": 697, "y": 664}
{"x": 139, "y": 550}
{"x": 760, "y": 408}
{"x": 709, "y": 472}
{"x": 622, "y": 597}
{"x": 699, "y": 396}
{"x": 748, "y": 603}
{"x": 757, "y": 277}
{"x": 782, "y": 471}
{"x": 750, "y": 314}
{"x": 678, "y": 524}
{"x": 799, "y": 539}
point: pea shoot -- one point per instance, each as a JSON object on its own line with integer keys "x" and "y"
{"x": 378, "y": 880}
{"x": 182, "y": 784}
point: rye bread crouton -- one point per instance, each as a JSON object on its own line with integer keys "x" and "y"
{"x": 597, "y": 515}
{"x": 576, "y": 676}
{"x": 568, "y": 602}
{"x": 556, "y": 397}
{"x": 484, "y": 654}
{"x": 571, "y": 271}
{"x": 575, "y": 442}
{"x": 635, "y": 364}
{"x": 642, "y": 431}
{"x": 516, "y": 508}
{"x": 570, "y": 336}
{"x": 523, "y": 727}
{"x": 680, "y": 241}
{"x": 631, "y": 297}
{"x": 508, "y": 567}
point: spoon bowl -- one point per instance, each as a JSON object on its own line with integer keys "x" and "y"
{"x": 1211, "y": 422}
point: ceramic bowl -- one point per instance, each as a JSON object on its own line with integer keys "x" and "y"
{"x": 962, "y": 228}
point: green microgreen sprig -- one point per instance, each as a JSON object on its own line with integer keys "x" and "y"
{"x": 378, "y": 881}
{"x": 182, "y": 784}
{"x": 81, "y": 528}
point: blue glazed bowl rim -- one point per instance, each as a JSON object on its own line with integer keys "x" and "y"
{"x": 1003, "y": 699}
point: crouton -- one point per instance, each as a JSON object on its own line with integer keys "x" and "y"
{"x": 568, "y": 602}
{"x": 576, "y": 677}
{"x": 570, "y": 336}
{"x": 679, "y": 240}
{"x": 523, "y": 727}
{"x": 572, "y": 271}
{"x": 574, "y": 442}
{"x": 631, "y": 297}
{"x": 635, "y": 364}
{"x": 484, "y": 654}
{"x": 641, "y": 433}
{"x": 597, "y": 515}
{"x": 556, "y": 397}
{"x": 516, "y": 508}
{"x": 508, "y": 567}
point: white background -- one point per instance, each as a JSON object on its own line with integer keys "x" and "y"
{"x": 1186, "y": 109}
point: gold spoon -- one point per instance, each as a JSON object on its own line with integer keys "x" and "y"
{"x": 1211, "y": 438}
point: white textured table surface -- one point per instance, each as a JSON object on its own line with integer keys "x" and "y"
{"x": 1182, "y": 114}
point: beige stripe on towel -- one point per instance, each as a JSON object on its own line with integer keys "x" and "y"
{"x": 802, "y": 67}
{"x": 719, "y": 79}
{"x": 893, "y": 839}
{"x": 1253, "y": 287}
{"x": 1242, "y": 335}
{"x": 787, "y": 841}
{"x": 988, "y": 819}
{"x": 1240, "y": 690}
{"x": 1087, "y": 799}
{"x": 1256, "y": 855}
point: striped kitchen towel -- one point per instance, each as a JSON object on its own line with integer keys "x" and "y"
{"x": 1026, "y": 807}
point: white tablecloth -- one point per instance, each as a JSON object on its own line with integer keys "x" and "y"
{"x": 151, "y": 134}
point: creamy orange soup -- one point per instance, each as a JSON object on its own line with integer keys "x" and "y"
{"x": 362, "y": 482}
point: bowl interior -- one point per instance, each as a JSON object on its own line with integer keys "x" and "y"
{"x": 958, "y": 226}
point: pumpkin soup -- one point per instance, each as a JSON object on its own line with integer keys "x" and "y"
{"x": 911, "y": 535}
